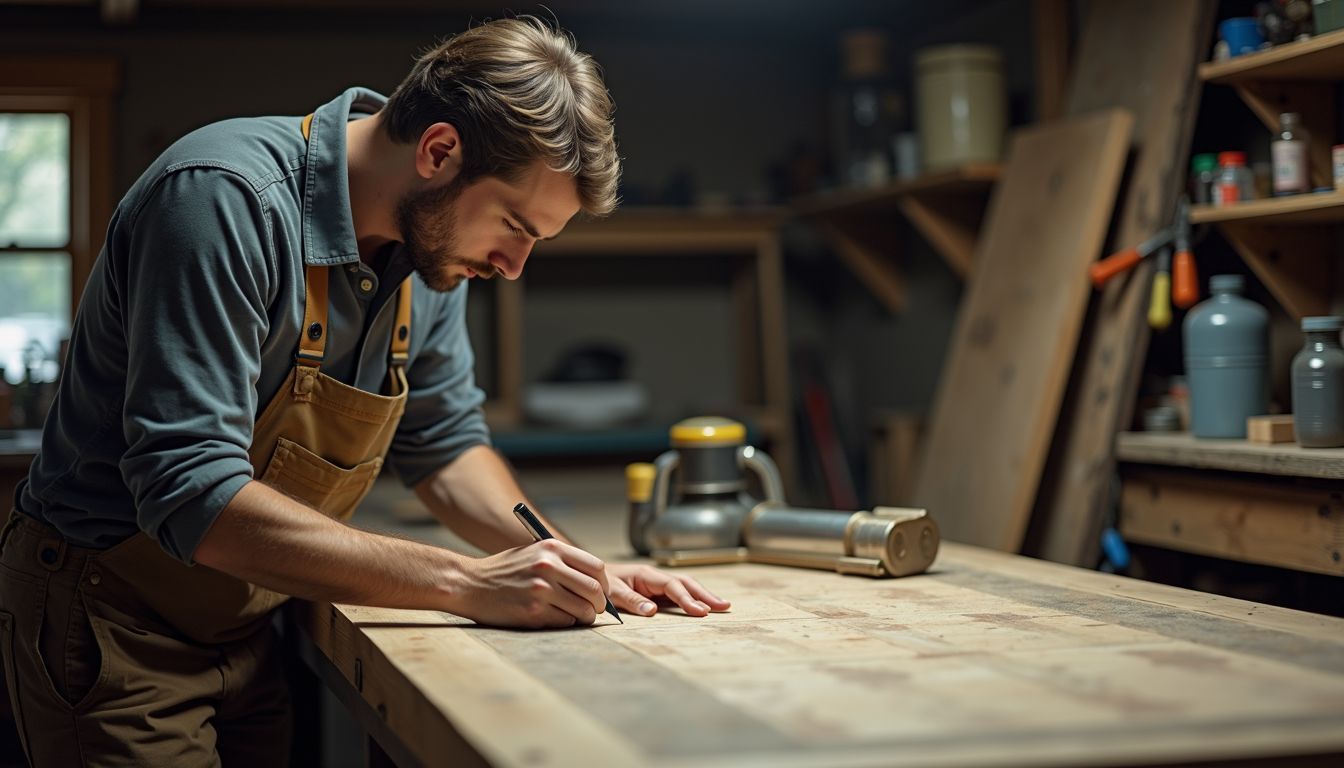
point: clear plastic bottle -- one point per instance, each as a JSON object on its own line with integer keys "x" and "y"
{"x": 1318, "y": 385}
{"x": 1289, "y": 153}
{"x": 1235, "y": 183}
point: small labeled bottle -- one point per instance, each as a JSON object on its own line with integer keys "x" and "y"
{"x": 1203, "y": 171}
{"x": 1288, "y": 151}
{"x": 1235, "y": 183}
{"x": 1318, "y": 385}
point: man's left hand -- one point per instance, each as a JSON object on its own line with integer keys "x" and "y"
{"x": 638, "y": 589}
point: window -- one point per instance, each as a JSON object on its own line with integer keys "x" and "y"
{"x": 35, "y": 235}
{"x": 56, "y": 197}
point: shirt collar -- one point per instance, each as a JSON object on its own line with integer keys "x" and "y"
{"x": 328, "y": 225}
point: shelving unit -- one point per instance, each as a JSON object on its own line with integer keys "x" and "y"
{"x": 750, "y": 239}
{"x": 946, "y": 208}
{"x": 1281, "y": 504}
{"x": 1211, "y": 497}
{"x": 1183, "y": 450}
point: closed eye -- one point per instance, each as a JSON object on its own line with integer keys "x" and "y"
{"x": 512, "y": 229}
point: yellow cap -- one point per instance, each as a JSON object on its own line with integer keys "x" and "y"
{"x": 708, "y": 430}
{"x": 639, "y": 482}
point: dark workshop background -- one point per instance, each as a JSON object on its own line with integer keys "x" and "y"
{"x": 710, "y": 97}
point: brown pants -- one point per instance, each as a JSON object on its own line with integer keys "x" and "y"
{"x": 95, "y": 679}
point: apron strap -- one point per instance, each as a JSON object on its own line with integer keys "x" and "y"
{"x": 313, "y": 336}
{"x": 313, "y": 332}
{"x": 401, "y": 332}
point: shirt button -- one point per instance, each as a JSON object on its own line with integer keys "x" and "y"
{"x": 366, "y": 285}
{"x": 95, "y": 578}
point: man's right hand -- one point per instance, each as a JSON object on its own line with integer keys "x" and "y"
{"x": 545, "y": 584}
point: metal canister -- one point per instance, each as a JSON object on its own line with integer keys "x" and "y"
{"x": 889, "y": 541}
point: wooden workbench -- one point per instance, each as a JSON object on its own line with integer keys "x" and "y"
{"x": 988, "y": 659}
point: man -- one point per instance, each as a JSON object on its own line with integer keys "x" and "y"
{"x": 279, "y": 306}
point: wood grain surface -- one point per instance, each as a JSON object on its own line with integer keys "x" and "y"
{"x": 988, "y": 659}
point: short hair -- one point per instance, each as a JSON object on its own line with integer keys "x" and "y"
{"x": 518, "y": 91}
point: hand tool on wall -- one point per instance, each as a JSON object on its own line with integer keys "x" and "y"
{"x": 1159, "y": 303}
{"x": 1185, "y": 280}
{"x": 1173, "y": 282}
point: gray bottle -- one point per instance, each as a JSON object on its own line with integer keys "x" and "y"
{"x": 1226, "y": 360}
{"x": 1318, "y": 385}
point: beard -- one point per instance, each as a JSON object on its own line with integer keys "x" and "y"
{"x": 427, "y": 222}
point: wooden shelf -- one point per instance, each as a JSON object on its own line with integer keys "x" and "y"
{"x": 1183, "y": 450}
{"x": 946, "y": 208}
{"x": 666, "y": 231}
{"x": 1320, "y": 58}
{"x": 977, "y": 178}
{"x": 1318, "y": 208}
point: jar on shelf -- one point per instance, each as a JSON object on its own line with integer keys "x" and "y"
{"x": 1318, "y": 385}
{"x": 1226, "y": 340}
{"x": 961, "y": 105}
{"x": 1235, "y": 182}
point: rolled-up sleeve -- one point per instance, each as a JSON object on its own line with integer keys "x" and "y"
{"x": 443, "y": 411}
{"x": 199, "y": 279}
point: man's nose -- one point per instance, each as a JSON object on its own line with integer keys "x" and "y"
{"x": 510, "y": 265}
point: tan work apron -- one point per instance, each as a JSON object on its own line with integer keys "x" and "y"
{"x": 319, "y": 441}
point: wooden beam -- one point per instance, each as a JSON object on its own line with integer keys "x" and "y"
{"x": 1314, "y": 102}
{"x": 1141, "y": 55}
{"x": 868, "y": 250}
{"x": 952, "y": 230}
{"x": 1294, "y": 263}
{"x": 1283, "y": 524}
{"x": 1051, "y": 27}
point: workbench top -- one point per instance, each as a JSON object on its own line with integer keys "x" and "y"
{"x": 988, "y": 659}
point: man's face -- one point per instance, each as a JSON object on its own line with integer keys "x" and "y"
{"x": 457, "y": 231}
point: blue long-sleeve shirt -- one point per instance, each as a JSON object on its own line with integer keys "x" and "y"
{"x": 191, "y": 319}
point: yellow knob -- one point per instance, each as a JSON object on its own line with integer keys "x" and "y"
{"x": 639, "y": 482}
{"x": 707, "y": 430}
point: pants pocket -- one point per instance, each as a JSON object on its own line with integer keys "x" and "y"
{"x": 11, "y": 678}
{"x": 70, "y": 649}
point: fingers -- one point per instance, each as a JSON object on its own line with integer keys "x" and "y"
{"x": 576, "y": 593}
{"x": 630, "y": 601}
{"x": 674, "y": 590}
{"x": 699, "y": 592}
{"x": 580, "y": 561}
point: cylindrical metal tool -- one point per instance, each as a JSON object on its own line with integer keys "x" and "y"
{"x": 889, "y": 541}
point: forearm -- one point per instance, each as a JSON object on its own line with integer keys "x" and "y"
{"x": 475, "y": 496}
{"x": 269, "y": 539}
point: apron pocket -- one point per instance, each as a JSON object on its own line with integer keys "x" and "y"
{"x": 303, "y": 475}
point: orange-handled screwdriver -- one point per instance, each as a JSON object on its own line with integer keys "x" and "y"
{"x": 1185, "y": 280}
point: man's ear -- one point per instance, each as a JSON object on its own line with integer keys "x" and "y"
{"x": 439, "y": 152}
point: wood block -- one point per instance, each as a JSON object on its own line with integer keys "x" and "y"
{"x": 1270, "y": 429}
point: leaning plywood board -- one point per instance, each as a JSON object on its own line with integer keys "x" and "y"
{"x": 1140, "y": 56}
{"x": 988, "y": 659}
{"x": 1017, "y": 327}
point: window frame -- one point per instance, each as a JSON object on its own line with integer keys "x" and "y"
{"x": 85, "y": 88}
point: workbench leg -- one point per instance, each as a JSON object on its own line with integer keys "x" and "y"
{"x": 374, "y": 756}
